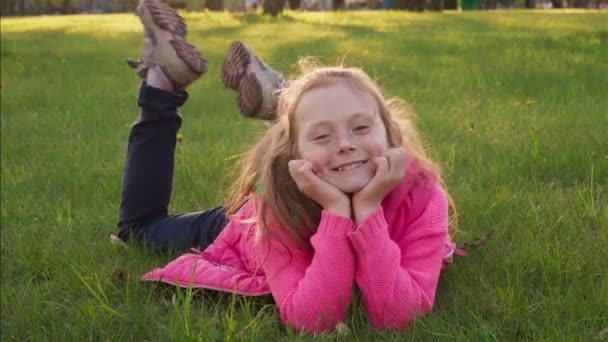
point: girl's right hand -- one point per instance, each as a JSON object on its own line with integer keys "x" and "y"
{"x": 317, "y": 189}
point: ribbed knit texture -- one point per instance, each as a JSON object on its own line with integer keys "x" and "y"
{"x": 313, "y": 290}
{"x": 398, "y": 279}
{"x": 394, "y": 257}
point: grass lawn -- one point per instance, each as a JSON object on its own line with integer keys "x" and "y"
{"x": 513, "y": 104}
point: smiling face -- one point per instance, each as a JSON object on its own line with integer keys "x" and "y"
{"x": 339, "y": 130}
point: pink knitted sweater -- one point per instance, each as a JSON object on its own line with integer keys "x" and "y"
{"x": 396, "y": 268}
{"x": 394, "y": 257}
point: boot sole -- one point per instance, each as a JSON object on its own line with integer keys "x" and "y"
{"x": 254, "y": 97}
{"x": 250, "y": 96}
{"x": 235, "y": 64}
{"x": 190, "y": 56}
{"x": 179, "y": 60}
{"x": 163, "y": 16}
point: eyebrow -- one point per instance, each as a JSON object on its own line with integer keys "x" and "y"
{"x": 353, "y": 116}
{"x": 365, "y": 115}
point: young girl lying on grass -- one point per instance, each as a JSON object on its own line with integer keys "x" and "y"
{"x": 334, "y": 194}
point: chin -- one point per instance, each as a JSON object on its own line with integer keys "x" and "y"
{"x": 350, "y": 188}
{"x": 350, "y": 185}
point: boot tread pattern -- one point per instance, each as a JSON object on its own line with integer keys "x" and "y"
{"x": 250, "y": 96}
{"x": 166, "y": 17}
{"x": 190, "y": 56}
{"x": 235, "y": 65}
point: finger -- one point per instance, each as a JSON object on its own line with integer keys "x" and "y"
{"x": 294, "y": 169}
{"x": 392, "y": 152}
{"x": 379, "y": 177}
{"x": 296, "y": 163}
{"x": 305, "y": 169}
{"x": 315, "y": 169}
{"x": 305, "y": 166}
{"x": 388, "y": 154}
{"x": 397, "y": 162}
{"x": 382, "y": 164}
{"x": 381, "y": 168}
{"x": 307, "y": 172}
{"x": 302, "y": 173}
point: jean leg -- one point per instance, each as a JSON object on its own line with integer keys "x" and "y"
{"x": 182, "y": 232}
{"x": 148, "y": 181}
{"x": 148, "y": 175}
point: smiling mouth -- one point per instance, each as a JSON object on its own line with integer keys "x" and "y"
{"x": 350, "y": 166}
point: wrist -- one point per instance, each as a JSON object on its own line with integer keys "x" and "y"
{"x": 364, "y": 210}
{"x": 341, "y": 209}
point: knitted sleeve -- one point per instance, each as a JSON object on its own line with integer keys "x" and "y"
{"x": 398, "y": 279}
{"x": 313, "y": 290}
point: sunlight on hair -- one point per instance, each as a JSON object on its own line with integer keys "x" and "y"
{"x": 265, "y": 164}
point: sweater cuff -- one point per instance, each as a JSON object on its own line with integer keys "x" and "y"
{"x": 159, "y": 100}
{"x": 371, "y": 234}
{"x": 334, "y": 225}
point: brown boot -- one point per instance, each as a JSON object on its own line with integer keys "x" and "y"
{"x": 165, "y": 45}
{"x": 256, "y": 83}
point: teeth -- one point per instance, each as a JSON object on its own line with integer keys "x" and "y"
{"x": 350, "y": 166}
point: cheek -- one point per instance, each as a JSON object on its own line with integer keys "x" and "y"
{"x": 383, "y": 137}
{"x": 313, "y": 154}
{"x": 378, "y": 145}
{"x": 304, "y": 150}
{"x": 383, "y": 142}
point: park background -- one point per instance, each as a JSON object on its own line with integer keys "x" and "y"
{"x": 513, "y": 105}
{"x": 274, "y": 7}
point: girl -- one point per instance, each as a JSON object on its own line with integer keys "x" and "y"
{"x": 334, "y": 194}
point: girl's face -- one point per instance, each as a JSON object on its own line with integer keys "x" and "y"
{"x": 339, "y": 132}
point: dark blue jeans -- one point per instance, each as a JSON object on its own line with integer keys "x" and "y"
{"x": 148, "y": 180}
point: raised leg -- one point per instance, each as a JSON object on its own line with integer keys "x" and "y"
{"x": 168, "y": 64}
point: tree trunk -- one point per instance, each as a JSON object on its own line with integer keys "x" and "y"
{"x": 435, "y": 5}
{"x": 7, "y": 7}
{"x": 415, "y": 5}
{"x": 273, "y": 7}
{"x": 214, "y": 5}
{"x": 450, "y": 4}
{"x": 399, "y": 4}
{"x": 21, "y": 10}
{"x": 294, "y": 4}
{"x": 338, "y": 5}
{"x": 373, "y": 4}
{"x": 488, "y": 4}
{"x": 581, "y": 4}
{"x": 65, "y": 7}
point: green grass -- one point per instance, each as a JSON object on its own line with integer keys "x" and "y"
{"x": 513, "y": 104}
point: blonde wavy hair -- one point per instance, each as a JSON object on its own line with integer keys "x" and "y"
{"x": 264, "y": 170}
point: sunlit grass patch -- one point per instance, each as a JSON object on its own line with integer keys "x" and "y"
{"x": 512, "y": 103}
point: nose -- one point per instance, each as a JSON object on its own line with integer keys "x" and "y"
{"x": 345, "y": 144}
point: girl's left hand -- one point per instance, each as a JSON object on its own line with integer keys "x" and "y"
{"x": 390, "y": 170}
{"x": 317, "y": 189}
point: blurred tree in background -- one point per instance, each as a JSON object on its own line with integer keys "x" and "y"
{"x": 29, "y": 7}
{"x": 214, "y": 5}
{"x": 272, "y": 7}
